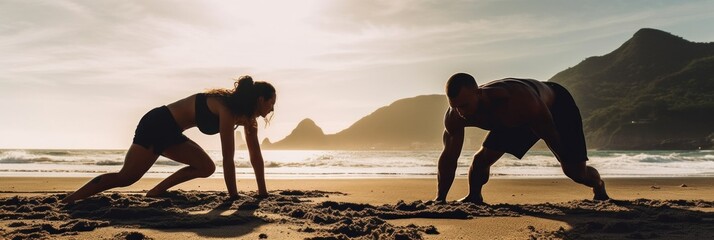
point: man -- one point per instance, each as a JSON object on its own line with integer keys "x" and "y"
{"x": 517, "y": 112}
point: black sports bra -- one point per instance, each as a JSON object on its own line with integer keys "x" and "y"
{"x": 206, "y": 121}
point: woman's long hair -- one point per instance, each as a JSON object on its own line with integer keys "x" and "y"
{"x": 243, "y": 98}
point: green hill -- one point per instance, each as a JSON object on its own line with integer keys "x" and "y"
{"x": 656, "y": 91}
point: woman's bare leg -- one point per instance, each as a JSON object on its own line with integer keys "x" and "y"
{"x": 199, "y": 164}
{"x": 138, "y": 160}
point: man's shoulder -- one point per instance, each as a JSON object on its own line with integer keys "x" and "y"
{"x": 513, "y": 88}
{"x": 504, "y": 82}
{"x": 449, "y": 114}
{"x": 453, "y": 120}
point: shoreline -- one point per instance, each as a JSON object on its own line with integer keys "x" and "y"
{"x": 332, "y": 176}
{"x": 553, "y": 208}
{"x": 499, "y": 189}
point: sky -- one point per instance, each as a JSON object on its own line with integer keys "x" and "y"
{"x": 80, "y": 74}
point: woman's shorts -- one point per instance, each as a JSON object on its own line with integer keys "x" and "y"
{"x": 158, "y": 129}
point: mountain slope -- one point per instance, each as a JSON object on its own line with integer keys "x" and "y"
{"x": 411, "y": 123}
{"x": 654, "y": 91}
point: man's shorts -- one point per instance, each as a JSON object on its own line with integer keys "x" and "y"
{"x": 568, "y": 124}
{"x": 158, "y": 129}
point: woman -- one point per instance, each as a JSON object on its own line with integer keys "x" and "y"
{"x": 160, "y": 133}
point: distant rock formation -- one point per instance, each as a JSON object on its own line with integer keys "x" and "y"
{"x": 266, "y": 142}
{"x": 307, "y": 135}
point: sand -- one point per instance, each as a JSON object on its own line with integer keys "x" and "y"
{"x": 645, "y": 208}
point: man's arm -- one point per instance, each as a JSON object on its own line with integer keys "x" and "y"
{"x": 453, "y": 143}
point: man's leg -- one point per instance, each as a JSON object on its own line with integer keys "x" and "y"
{"x": 587, "y": 176}
{"x": 479, "y": 173}
{"x": 569, "y": 125}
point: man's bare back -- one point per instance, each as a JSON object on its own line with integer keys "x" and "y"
{"x": 502, "y": 103}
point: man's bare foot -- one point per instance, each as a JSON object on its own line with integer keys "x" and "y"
{"x": 599, "y": 192}
{"x": 471, "y": 199}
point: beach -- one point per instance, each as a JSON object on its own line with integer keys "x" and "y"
{"x": 397, "y": 208}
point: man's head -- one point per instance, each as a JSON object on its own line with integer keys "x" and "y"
{"x": 461, "y": 90}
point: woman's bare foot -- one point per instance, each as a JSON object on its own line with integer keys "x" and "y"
{"x": 155, "y": 194}
{"x": 471, "y": 199}
{"x": 436, "y": 201}
{"x": 66, "y": 201}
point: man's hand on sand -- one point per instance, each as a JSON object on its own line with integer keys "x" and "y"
{"x": 232, "y": 197}
{"x": 261, "y": 195}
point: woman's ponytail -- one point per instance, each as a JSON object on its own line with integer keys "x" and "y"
{"x": 242, "y": 101}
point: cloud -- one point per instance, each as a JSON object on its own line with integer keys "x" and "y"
{"x": 324, "y": 56}
{"x": 407, "y": 32}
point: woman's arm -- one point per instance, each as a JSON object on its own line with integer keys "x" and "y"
{"x": 226, "y": 123}
{"x": 256, "y": 157}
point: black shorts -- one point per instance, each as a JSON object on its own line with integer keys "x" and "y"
{"x": 158, "y": 129}
{"x": 568, "y": 124}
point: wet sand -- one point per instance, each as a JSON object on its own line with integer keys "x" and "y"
{"x": 645, "y": 208}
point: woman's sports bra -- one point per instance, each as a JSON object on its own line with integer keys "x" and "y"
{"x": 206, "y": 121}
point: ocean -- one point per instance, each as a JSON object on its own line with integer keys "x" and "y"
{"x": 287, "y": 164}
